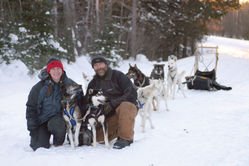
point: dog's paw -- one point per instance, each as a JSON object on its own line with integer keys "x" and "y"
{"x": 76, "y": 143}
{"x": 72, "y": 146}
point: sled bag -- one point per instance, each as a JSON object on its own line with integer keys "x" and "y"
{"x": 199, "y": 83}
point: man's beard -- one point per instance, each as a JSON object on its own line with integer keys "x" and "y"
{"x": 101, "y": 72}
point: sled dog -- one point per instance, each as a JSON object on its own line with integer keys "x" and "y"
{"x": 95, "y": 115}
{"x": 71, "y": 113}
{"x": 174, "y": 78}
{"x": 157, "y": 72}
{"x": 140, "y": 80}
{"x": 145, "y": 98}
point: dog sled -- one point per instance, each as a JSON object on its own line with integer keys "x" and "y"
{"x": 205, "y": 68}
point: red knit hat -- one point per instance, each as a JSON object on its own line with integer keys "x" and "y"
{"x": 54, "y": 63}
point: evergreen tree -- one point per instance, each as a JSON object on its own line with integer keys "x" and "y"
{"x": 106, "y": 41}
{"x": 178, "y": 25}
{"x": 28, "y": 34}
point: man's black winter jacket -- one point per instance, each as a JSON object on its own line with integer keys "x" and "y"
{"x": 116, "y": 86}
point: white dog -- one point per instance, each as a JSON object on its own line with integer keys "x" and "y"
{"x": 96, "y": 115}
{"x": 145, "y": 98}
{"x": 174, "y": 78}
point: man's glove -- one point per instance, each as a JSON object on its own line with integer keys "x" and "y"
{"x": 107, "y": 108}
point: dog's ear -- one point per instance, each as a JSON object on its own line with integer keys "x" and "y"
{"x": 135, "y": 66}
{"x": 174, "y": 57}
{"x": 130, "y": 65}
{"x": 169, "y": 57}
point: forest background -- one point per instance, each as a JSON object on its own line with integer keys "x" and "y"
{"x": 33, "y": 30}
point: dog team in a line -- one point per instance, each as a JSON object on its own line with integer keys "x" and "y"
{"x": 57, "y": 106}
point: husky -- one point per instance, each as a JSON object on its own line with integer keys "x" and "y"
{"x": 157, "y": 72}
{"x": 140, "y": 79}
{"x": 174, "y": 78}
{"x": 145, "y": 99}
{"x": 71, "y": 113}
{"x": 95, "y": 115}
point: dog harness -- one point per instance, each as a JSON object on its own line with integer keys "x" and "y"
{"x": 95, "y": 112}
{"x": 69, "y": 114}
{"x": 140, "y": 104}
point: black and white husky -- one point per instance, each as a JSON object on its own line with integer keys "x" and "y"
{"x": 140, "y": 80}
{"x": 71, "y": 113}
{"x": 146, "y": 96}
{"x": 174, "y": 78}
{"x": 157, "y": 72}
{"x": 95, "y": 115}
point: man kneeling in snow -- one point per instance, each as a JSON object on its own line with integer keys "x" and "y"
{"x": 121, "y": 109}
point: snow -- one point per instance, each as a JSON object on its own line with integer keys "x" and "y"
{"x": 56, "y": 45}
{"x": 13, "y": 38}
{"x": 22, "y": 29}
{"x": 204, "y": 129}
{"x": 79, "y": 43}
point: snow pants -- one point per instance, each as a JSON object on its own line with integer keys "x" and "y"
{"x": 40, "y": 137}
{"x": 121, "y": 124}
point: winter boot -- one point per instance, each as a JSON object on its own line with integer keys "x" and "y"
{"x": 121, "y": 143}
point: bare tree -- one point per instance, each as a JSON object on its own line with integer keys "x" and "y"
{"x": 70, "y": 16}
{"x": 134, "y": 28}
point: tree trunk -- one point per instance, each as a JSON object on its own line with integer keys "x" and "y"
{"x": 55, "y": 14}
{"x": 134, "y": 29}
{"x": 97, "y": 15}
{"x": 87, "y": 23}
{"x": 20, "y": 3}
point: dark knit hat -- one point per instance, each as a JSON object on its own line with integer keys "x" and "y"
{"x": 98, "y": 59}
{"x": 54, "y": 62}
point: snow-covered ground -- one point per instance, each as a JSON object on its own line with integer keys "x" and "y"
{"x": 204, "y": 129}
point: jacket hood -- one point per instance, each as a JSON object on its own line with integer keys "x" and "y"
{"x": 43, "y": 75}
